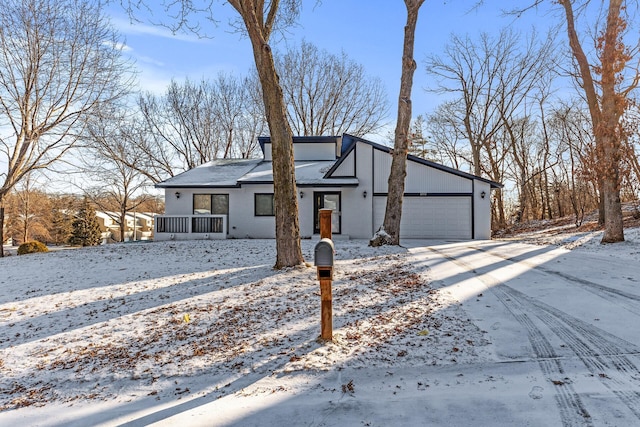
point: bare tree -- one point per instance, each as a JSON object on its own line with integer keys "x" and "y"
{"x": 570, "y": 124}
{"x": 606, "y": 81}
{"x": 390, "y": 231}
{"x": 421, "y": 144}
{"x": 492, "y": 81}
{"x": 239, "y": 115}
{"x": 29, "y": 212}
{"x": 449, "y": 142}
{"x": 59, "y": 60}
{"x": 606, "y": 108}
{"x": 329, "y": 94}
{"x": 193, "y": 123}
{"x": 258, "y": 19}
{"x": 253, "y": 122}
{"x": 112, "y": 158}
{"x": 182, "y": 122}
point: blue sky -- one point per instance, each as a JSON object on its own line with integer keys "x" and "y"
{"x": 369, "y": 31}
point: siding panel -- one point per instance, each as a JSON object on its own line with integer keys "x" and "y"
{"x": 431, "y": 217}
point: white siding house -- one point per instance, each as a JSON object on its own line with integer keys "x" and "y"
{"x": 233, "y": 198}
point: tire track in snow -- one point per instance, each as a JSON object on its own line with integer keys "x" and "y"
{"x": 572, "y": 410}
{"x": 605, "y": 355}
{"x": 628, "y": 301}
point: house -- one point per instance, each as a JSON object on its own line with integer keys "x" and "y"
{"x": 145, "y": 225}
{"x": 234, "y": 198}
{"x": 110, "y": 225}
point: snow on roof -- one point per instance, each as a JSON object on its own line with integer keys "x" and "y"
{"x": 216, "y": 173}
{"x": 307, "y": 173}
{"x": 232, "y": 173}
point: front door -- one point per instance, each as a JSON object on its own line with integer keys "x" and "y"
{"x": 326, "y": 200}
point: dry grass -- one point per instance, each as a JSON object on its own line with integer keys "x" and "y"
{"x": 567, "y": 224}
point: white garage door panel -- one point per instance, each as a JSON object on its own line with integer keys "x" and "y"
{"x": 431, "y": 217}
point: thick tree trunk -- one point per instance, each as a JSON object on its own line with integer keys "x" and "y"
{"x": 605, "y": 112}
{"x": 395, "y": 188}
{"x": 613, "y": 105}
{"x": 289, "y": 252}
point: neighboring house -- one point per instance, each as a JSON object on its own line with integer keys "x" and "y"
{"x": 110, "y": 225}
{"x": 145, "y": 222}
{"x": 234, "y": 198}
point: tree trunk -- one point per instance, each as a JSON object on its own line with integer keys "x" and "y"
{"x": 499, "y": 200}
{"x": 605, "y": 113}
{"x": 1, "y": 229}
{"x": 612, "y": 108}
{"x": 600, "y": 195}
{"x": 123, "y": 226}
{"x": 395, "y": 187}
{"x": 289, "y": 252}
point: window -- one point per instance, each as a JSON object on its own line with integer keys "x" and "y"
{"x": 210, "y": 204}
{"x": 220, "y": 204}
{"x": 264, "y": 205}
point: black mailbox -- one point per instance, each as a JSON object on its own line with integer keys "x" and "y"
{"x": 324, "y": 258}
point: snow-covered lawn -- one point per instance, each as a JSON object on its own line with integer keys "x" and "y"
{"x": 144, "y": 325}
{"x": 206, "y": 333}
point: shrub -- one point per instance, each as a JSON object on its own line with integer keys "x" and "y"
{"x": 32, "y": 248}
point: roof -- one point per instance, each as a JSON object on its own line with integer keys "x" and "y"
{"x": 216, "y": 173}
{"x": 227, "y": 173}
{"x": 349, "y": 144}
{"x": 308, "y": 173}
{"x": 262, "y": 140}
{"x": 235, "y": 173}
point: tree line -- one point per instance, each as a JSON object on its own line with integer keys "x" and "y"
{"x": 59, "y": 219}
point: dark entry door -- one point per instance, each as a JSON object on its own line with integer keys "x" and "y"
{"x": 327, "y": 200}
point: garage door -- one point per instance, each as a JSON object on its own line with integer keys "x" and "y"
{"x": 431, "y": 217}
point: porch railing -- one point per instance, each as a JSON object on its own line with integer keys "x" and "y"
{"x": 190, "y": 226}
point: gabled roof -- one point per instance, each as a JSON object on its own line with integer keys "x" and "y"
{"x": 349, "y": 144}
{"x": 227, "y": 173}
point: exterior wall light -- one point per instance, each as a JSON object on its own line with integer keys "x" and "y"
{"x": 364, "y": 194}
{"x": 177, "y": 194}
{"x": 301, "y": 194}
{"x": 483, "y": 194}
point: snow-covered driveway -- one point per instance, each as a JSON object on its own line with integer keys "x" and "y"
{"x": 565, "y": 322}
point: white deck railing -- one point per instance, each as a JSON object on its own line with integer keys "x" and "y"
{"x": 179, "y": 227}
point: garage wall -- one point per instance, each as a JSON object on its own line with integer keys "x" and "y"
{"x": 482, "y": 210}
{"x": 431, "y": 217}
{"x": 420, "y": 178}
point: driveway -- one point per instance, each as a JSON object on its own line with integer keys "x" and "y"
{"x": 567, "y": 319}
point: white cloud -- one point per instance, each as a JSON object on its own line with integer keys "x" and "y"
{"x": 125, "y": 26}
{"x": 118, "y": 46}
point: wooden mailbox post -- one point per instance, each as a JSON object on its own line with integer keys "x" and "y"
{"x": 324, "y": 252}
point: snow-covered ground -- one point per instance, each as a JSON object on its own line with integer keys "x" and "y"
{"x": 207, "y": 333}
